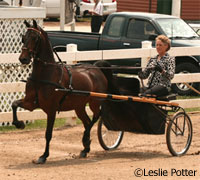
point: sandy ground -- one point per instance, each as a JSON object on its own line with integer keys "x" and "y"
{"x": 136, "y": 153}
{"x": 147, "y": 152}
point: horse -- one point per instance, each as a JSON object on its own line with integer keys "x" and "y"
{"x": 48, "y": 75}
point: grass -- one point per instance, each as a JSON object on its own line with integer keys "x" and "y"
{"x": 190, "y": 97}
{"x": 38, "y": 124}
{"x": 60, "y": 122}
{"x": 187, "y": 97}
{"x": 192, "y": 109}
{"x": 7, "y": 128}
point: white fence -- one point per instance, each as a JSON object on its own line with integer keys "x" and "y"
{"x": 11, "y": 72}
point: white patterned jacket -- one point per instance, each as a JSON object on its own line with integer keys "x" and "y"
{"x": 156, "y": 78}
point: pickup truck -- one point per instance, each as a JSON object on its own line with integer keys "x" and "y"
{"x": 128, "y": 30}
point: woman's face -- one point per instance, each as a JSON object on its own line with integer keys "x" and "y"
{"x": 161, "y": 47}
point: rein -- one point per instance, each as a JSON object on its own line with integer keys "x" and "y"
{"x": 113, "y": 67}
{"x": 56, "y": 85}
{"x": 45, "y": 82}
{"x": 66, "y": 67}
{"x": 33, "y": 53}
{"x": 36, "y": 37}
{"x": 52, "y": 83}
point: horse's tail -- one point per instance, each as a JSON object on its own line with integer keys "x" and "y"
{"x": 112, "y": 87}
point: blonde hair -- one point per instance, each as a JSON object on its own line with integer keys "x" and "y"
{"x": 165, "y": 40}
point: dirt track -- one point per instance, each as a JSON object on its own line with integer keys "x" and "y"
{"x": 149, "y": 152}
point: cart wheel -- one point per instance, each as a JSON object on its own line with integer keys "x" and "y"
{"x": 108, "y": 140}
{"x": 179, "y": 134}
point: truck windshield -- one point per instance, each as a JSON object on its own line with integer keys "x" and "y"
{"x": 176, "y": 28}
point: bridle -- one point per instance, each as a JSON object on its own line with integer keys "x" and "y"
{"x": 33, "y": 52}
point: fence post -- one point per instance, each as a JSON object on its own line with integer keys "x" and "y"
{"x": 62, "y": 15}
{"x": 144, "y": 60}
{"x": 73, "y": 49}
{"x": 71, "y": 121}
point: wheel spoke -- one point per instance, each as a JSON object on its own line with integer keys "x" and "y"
{"x": 108, "y": 139}
{"x": 179, "y": 134}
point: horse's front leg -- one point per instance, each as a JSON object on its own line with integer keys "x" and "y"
{"x": 48, "y": 136}
{"x": 29, "y": 103}
{"x": 23, "y": 104}
{"x": 18, "y": 124}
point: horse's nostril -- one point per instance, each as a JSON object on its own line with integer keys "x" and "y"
{"x": 24, "y": 60}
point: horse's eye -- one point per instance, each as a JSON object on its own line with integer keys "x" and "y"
{"x": 23, "y": 37}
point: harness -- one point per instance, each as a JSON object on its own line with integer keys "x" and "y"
{"x": 56, "y": 85}
{"x": 33, "y": 54}
{"x": 67, "y": 68}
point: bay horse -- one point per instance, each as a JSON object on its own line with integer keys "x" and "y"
{"x": 46, "y": 76}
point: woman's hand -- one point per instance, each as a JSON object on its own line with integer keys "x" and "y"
{"x": 140, "y": 74}
{"x": 158, "y": 68}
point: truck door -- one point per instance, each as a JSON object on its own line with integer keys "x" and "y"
{"x": 137, "y": 31}
{"x": 112, "y": 35}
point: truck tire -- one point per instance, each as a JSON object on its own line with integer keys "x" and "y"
{"x": 180, "y": 88}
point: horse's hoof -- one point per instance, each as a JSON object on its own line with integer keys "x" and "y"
{"x": 19, "y": 124}
{"x": 39, "y": 161}
{"x": 83, "y": 154}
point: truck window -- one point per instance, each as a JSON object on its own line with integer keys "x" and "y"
{"x": 176, "y": 28}
{"x": 116, "y": 26}
{"x": 139, "y": 29}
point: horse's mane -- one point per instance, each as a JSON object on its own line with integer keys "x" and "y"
{"x": 42, "y": 31}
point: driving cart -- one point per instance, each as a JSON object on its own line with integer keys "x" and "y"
{"x": 148, "y": 115}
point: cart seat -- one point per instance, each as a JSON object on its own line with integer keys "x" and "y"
{"x": 168, "y": 97}
{"x": 127, "y": 85}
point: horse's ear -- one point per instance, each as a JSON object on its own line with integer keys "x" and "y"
{"x": 27, "y": 24}
{"x": 34, "y": 24}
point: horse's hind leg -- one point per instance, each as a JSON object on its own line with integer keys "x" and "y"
{"x": 86, "y": 136}
{"x": 95, "y": 107}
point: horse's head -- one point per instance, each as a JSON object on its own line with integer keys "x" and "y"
{"x": 31, "y": 42}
